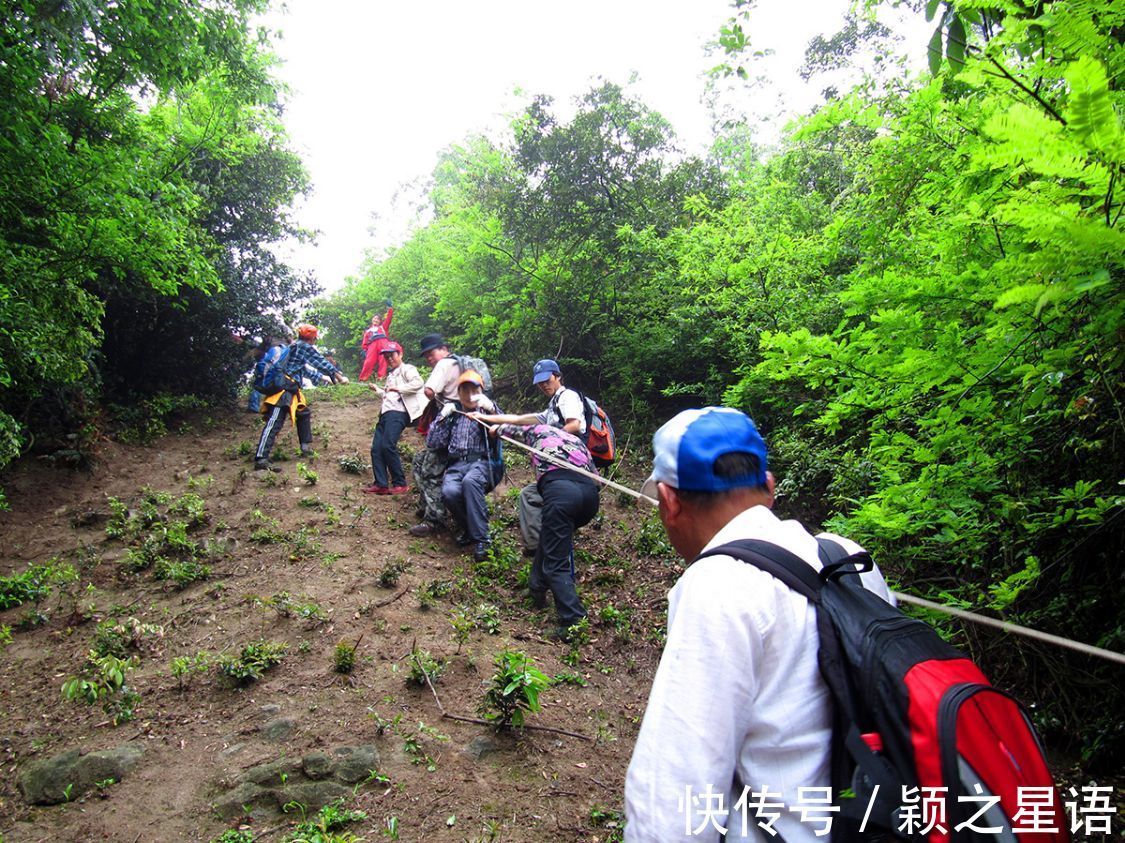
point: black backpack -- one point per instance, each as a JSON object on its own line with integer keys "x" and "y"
{"x": 911, "y": 711}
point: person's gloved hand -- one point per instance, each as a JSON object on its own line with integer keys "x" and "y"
{"x": 447, "y": 409}
{"x": 483, "y": 402}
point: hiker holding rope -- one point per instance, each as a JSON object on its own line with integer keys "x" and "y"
{"x": 429, "y": 464}
{"x": 474, "y": 468}
{"x": 402, "y": 403}
{"x": 289, "y": 401}
{"x": 738, "y": 693}
{"x": 564, "y": 410}
{"x": 570, "y": 500}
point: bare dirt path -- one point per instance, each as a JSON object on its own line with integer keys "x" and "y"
{"x": 326, "y": 546}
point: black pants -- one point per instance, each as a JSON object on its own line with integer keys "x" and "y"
{"x": 384, "y": 448}
{"x": 569, "y": 502}
{"x": 276, "y": 420}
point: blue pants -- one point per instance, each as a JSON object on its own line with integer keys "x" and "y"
{"x": 384, "y": 448}
{"x": 569, "y": 502}
{"x": 463, "y": 490}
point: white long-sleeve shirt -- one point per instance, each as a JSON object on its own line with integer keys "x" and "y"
{"x": 737, "y": 690}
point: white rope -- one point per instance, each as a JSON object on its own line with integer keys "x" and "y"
{"x": 1025, "y": 631}
{"x": 543, "y": 455}
{"x": 1016, "y": 629}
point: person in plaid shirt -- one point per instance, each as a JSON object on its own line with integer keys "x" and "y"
{"x": 291, "y": 401}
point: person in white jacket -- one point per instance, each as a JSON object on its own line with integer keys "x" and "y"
{"x": 403, "y": 401}
{"x": 736, "y": 737}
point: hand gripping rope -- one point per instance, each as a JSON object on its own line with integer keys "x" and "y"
{"x": 1027, "y": 632}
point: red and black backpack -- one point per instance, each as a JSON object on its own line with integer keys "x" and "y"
{"x": 912, "y": 711}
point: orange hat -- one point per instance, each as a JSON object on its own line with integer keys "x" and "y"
{"x": 471, "y": 376}
{"x": 307, "y": 332}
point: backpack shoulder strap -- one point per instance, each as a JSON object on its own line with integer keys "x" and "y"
{"x": 791, "y": 569}
{"x": 587, "y": 410}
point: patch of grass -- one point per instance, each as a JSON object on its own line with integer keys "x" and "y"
{"x": 118, "y": 637}
{"x": 422, "y": 662}
{"x": 433, "y": 591}
{"x": 488, "y": 618}
{"x": 285, "y": 606}
{"x": 186, "y": 666}
{"x": 32, "y": 585}
{"x": 267, "y": 530}
{"x": 389, "y": 576}
{"x": 202, "y": 482}
{"x": 192, "y": 507}
{"x": 325, "y": 826}
{"x": 252, "y": 661}
{"x": 352, "y": 464}
{"x": 570, "y": 678}
{"x": 181, "y": 574}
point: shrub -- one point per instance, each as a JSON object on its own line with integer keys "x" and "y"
{"x": 252, "y": 661}
{"x": 515, "y": 689}
{"x": 422, "y": 663}
{"x": 104, "y": 680}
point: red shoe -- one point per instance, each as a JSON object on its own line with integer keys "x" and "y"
{"x": 398, "y": 490}
{"x": 375, "y": 489}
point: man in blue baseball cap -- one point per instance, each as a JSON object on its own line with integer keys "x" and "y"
{"x": 737, "y": 701}
{"x": 566, "y": 411}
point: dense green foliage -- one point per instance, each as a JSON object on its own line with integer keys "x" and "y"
{"x": 144, "y": 175}
{"x": 918, "y": 295}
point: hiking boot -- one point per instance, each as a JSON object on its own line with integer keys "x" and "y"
{"x": 480, "y": 552}
{"x": 565, "y": 634}
{"x": 424, "y": 529}
{"x": 264, "y": 465}
{"x": 398, "y": 490}
{"x": 538, "y": 599}
{"x": 529, "y": 552}
{"x": 464, "y": 540}
{"x": 307, "y": 451}
{"x": 374, "y": 489}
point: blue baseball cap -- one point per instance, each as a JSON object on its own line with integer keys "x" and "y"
{"x": 543, "y": 371}
{"x": 687, "y": 446}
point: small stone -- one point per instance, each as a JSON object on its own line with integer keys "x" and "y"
{"x": 355, "y": 762}
{"x": 273, "y": 773}
{"x": 313, "y": 795}
{"x": 243, "y": 797}
{"x": 481, "y": 746}
{"x": 317, "y": 765}
{"x": 270, "y": 709}
{"x": 67, "y": 776}
{"x": 233, "y": 749}
{"x": 279, "y": 729}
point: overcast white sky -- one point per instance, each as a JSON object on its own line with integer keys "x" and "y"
{"x": 379, "y": 88}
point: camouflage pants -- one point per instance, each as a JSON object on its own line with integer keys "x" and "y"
{"x": 429, "y": 470}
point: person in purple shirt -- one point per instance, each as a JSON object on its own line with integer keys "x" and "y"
{"x": 570, "y": 501}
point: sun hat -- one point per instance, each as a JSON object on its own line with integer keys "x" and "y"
{"x": 430, "y": 342}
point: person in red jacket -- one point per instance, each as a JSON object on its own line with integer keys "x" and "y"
{"x": 375, "y": 339}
